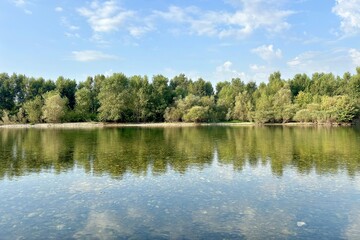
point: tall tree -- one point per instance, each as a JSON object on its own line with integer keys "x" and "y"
{"x": 7, "y": 92}
{"x": 140, "y": 92}
{"x": 114, "y": 97}
{"x": 179, "y": 86}
{"x": 201, "y": 88}
{"x": 33, "y": 109}
{"x": 54, "y": 108}
{"x": 299, "y": 83}
{"x": 67, "y": 89}
{"x": 160, "y": 98}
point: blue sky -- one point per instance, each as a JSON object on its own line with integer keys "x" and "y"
{"x": 213, "y": 39}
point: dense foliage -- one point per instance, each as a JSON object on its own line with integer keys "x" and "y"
{"x": 322, "y": 98}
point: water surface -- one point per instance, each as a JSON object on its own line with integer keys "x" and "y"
{"x": 180, "y": 183}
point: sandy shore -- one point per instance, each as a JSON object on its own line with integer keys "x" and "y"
{"x": 118, "y": 125}
{"x": 55, "y": 125}
{"x": 146, "y": 125}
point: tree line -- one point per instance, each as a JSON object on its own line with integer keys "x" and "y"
{"x": 321, "y": 98}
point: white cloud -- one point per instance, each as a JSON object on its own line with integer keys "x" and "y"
{"x": 257, "y": 68}
{"x": 260, "y": 73}
{"x": 355, "y": 56}
{"x": 19, "y": 3}
{"x": 336, "y": 61}
{"x": 22, "y": 4}
{"x": 91, "y": 55}
{"x": 267, "y": 52}
{"x": 105, "y": 17}
{"x": 226, "y": 67}
{"x": 65, "y": 22}
{"x": 226, "y": 72}
{"x": 138, "y": 31}
{"x": 251, "y": 16}
{"x": 349, "y": 13}
{"x": 109, "y": 72}
{"x": 27, "y": 11}
{"x": 72, "y": 35}
{"x": 303, "y": 59}
{"x": 59, "y": 9}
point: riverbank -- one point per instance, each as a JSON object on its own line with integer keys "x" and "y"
{"x": 89, "y": 125}
{"x": 118, "y": 125}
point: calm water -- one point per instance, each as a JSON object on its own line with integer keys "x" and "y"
{"x": 180, "y": 183}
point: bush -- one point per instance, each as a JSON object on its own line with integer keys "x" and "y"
{"x": 303, "y": 115}
{"x": 197, "y": 114}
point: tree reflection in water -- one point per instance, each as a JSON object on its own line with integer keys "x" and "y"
{"x": 142, "y": 151}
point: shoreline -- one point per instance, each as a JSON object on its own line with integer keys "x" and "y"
{"x": 89, "y": 125}
{"x": 92, "y": 125}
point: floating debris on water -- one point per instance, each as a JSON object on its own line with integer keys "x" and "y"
{"x": 300, "y": 224}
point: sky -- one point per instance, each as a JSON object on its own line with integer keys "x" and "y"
{"x": 213, "y": 39}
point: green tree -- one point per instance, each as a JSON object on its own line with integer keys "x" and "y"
{"x": 323, "y": 84}
{"x": 20, "y": 82}
{"x": 282, "y": 101}
{"x": 160, "y": 98}
{"x": 197, "y": 114}
{"x": 67, "y": 89}
{"x": 7, "y": 92}
{"x": 201, "y": 88}
{"x": 140, "y": 91}
{"x": 37, "y": 87}
{"x": 33, "y": 109}
{"x": 338, "y": 108}
{"x": 84, "y": 103}
{"x": 227, "y": 94}
{"x": 114, "y": 98}
{"x": 303, "y": 99}
{"x": 354, "y": 85}
{"x": 303, "y": 115}
{"x": 300, "y": 83}
{"x": 243, "y": 107}
{"x": 179, "y": 86}
{"x": 54, "y": 108}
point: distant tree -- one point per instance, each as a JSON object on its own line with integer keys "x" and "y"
{"x": 303, "y": 99}
{"x": 160, "y": 98}
{"x": 201, "y": 88}
{"x": 140, "y": 92}
{"x": 197, "y": 114}
{"x": 325, "y": 98}
{"x": 354, "y": 85}
{"x": 54, "y": 108}
{"x": 300, "y": 83}
{"x": 338, "y": 108}
{"x": 179, "y": 86}
{"x": 264, "y": 109}
{"x": 243, "y": 107}
{"x": 20, "y": 82}
{"x": 114, "y": 97}
{"x": 275, "y": 83}
{"x": 7, "y": 92}
{"x": 37, "y": 87}
{"x": 323, "y": 84}
{"x": 33, "y": 109}
{"x": 226, "y": 96}
{"x": 84, "y": 103}
{"x": 282, "y": 101}
{"x": 67, "y": 89}
{"x": 303, "y": 115}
